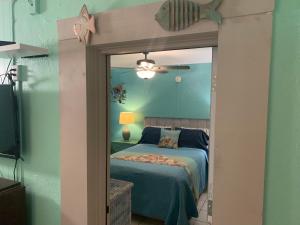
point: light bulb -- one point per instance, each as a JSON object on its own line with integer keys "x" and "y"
{"x": 145, "y": 74}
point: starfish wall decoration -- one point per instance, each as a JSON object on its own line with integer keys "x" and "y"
{"x": 84, "y": 26}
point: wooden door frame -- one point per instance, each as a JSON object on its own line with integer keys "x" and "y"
{"x": 211, "y": 159}
{"x": 241, "y": 105}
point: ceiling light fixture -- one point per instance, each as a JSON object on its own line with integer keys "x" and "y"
{"x": 146, "y": 63}
{"x": 145, "y": 74}
{"x": 144, "y": 68}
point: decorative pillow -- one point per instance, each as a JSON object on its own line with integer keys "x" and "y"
{"x": 193, "y": 138}
{"x": 169, "y": 138}
{"x": 151, "y": 135}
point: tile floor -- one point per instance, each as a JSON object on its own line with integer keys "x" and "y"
{"x": 201, "y": 220}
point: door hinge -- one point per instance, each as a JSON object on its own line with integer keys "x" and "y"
{"x": 209, "y": 207}
{"x": 107, "y": 209}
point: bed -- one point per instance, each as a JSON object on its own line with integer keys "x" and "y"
{"x": 164, "y": 191}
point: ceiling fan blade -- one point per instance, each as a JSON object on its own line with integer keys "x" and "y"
{"x": 161, "y": 71}
{"x": 158, "y": 71}
{"x": 179, "y": 67}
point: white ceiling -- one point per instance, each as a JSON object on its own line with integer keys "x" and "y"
{"x": 174, "y": 57}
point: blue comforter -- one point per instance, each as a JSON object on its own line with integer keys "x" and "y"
{"x": 160, "y": 191}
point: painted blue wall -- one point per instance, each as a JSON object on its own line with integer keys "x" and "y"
{"x": 162, "y": 96}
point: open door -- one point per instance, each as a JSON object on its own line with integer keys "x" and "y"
{"x": 212, "y": 134}
{"x": 108, "y": 139}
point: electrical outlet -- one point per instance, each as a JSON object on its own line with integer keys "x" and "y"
{"x": 33, "y": 6}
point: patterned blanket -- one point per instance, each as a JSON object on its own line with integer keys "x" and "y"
{"x": 188, "y": 164}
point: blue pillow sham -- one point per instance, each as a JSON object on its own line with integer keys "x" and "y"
{"x": 193, "y": 138}
{"x": 150, "y": 135}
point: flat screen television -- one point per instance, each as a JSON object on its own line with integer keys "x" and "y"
{"x": 9, "y": 129}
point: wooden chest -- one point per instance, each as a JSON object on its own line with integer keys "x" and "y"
{"x": 12, "y": 203}
{"x": 120, "y": 202}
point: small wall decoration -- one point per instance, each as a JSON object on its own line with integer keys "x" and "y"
{"x": 119, "y": 94}
{"x": 176, "y": 15}
{"x": 84, "y": 26}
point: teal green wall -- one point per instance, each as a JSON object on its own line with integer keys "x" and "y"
{"x": 282, "y": 195}
{"x": 41, "y": 102}
{"x": 162, "y": 96}
{"x": 41, "y": 169}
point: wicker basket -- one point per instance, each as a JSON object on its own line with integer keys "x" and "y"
{"x": 120, "y": 202}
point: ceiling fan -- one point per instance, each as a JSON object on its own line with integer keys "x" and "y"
{"x": 146, "y": 68}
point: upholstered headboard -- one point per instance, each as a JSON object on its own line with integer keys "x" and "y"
{"x": 175, "y": 122}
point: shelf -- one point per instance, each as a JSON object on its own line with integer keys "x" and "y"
{"x": 22, "y": 51}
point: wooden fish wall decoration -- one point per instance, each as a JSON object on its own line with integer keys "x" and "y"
{"x": 176, "y": 15}
{"x": 84, "y": 26}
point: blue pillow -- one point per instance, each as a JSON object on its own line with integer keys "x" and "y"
{"x": 193, "y": 138}
{"x": 150, "y": 135}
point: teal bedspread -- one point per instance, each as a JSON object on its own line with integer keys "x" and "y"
{"x": 161, "y": 191}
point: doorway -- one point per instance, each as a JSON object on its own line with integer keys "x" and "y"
{"x": 241, "y": 67}
{"x": 178, "y": 96}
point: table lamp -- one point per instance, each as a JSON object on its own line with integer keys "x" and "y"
{"x": 125, "y": 119}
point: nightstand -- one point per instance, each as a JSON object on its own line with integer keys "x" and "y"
{"x": 120, "y": 145}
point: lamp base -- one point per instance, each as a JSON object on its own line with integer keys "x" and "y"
{"x": 126, "y": 134}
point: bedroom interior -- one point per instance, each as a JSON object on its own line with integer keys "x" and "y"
{"x": 256, "y": 169}
{"x": 176, "y": 100}
{"x": 163, "y": 95}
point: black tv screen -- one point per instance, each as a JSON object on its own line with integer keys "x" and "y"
{"x": 9, "y": 132}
